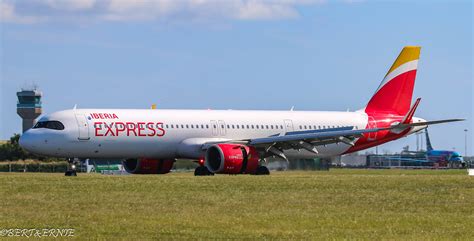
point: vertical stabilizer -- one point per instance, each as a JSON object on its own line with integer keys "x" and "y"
{"x": 395, "y": 92}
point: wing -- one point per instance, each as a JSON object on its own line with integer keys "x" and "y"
{"x": 310, "y": 140}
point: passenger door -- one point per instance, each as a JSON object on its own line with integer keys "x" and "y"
{"x": 83, "y": 127}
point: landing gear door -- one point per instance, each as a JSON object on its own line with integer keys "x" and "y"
{"x": 288, "y": 126}
{"x": 83, "y": 127}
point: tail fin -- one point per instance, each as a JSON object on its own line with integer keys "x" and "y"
{"x": 429, "y": 147}
{"x": 395, "y": 92}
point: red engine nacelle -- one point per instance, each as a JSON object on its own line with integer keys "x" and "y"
{"x": 148, "y": 166}
{"x": 231, "y": 159}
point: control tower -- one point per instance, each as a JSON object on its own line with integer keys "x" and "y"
{"x": 29, "y": 106}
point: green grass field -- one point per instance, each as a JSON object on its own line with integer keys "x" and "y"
{"x": 339, "y": 204}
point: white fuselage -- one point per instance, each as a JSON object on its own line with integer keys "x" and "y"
{"x": 131, "y": 133}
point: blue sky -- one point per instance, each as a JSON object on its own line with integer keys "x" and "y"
{"x": 314, "y": 55}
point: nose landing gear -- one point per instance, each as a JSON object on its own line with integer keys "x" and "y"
{"x": 71, "y": 167}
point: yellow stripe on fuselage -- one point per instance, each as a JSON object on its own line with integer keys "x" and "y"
{"x": 408, "y": 54}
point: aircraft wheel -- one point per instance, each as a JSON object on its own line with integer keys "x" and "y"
{"x": 202, "y": 171}
{"x": 70, "y": 173}
{"x": 262, "y": 170}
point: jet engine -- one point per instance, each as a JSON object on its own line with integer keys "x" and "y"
{"x": 231, "y": 159}
{"x": 148, "y": 166}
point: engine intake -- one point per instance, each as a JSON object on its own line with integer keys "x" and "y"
{"x": 231, "y": 159}
{"x": 148, "y": 166}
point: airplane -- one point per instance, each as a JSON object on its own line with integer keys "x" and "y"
{"x": 443, "y": 158}
{"x": 231, "y": 141}
{"x": 441, "y": 155}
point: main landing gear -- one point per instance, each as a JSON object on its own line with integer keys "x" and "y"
{"x": 202, "y": 171}
{"x": 71, "y": 168}
{"x": 262, "y": 170}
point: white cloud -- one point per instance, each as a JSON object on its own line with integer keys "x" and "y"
{"x": 70, "y": 5}
{"x": 9, "y": 15}
{"x": 259, "y": 10}
{"x": 33, "y": 11}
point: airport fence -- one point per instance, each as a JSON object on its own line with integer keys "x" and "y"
{"x": 33, "y": 166}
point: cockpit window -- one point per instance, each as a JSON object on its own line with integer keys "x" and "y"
{"x": 55, "y": 125}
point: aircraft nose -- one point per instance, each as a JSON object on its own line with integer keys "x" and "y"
{"x": 27, "y": 141}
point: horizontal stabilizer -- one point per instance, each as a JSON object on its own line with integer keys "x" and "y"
{"x": 426, "y": 123}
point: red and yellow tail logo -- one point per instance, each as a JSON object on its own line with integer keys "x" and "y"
{"x": 395, "y": 92}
